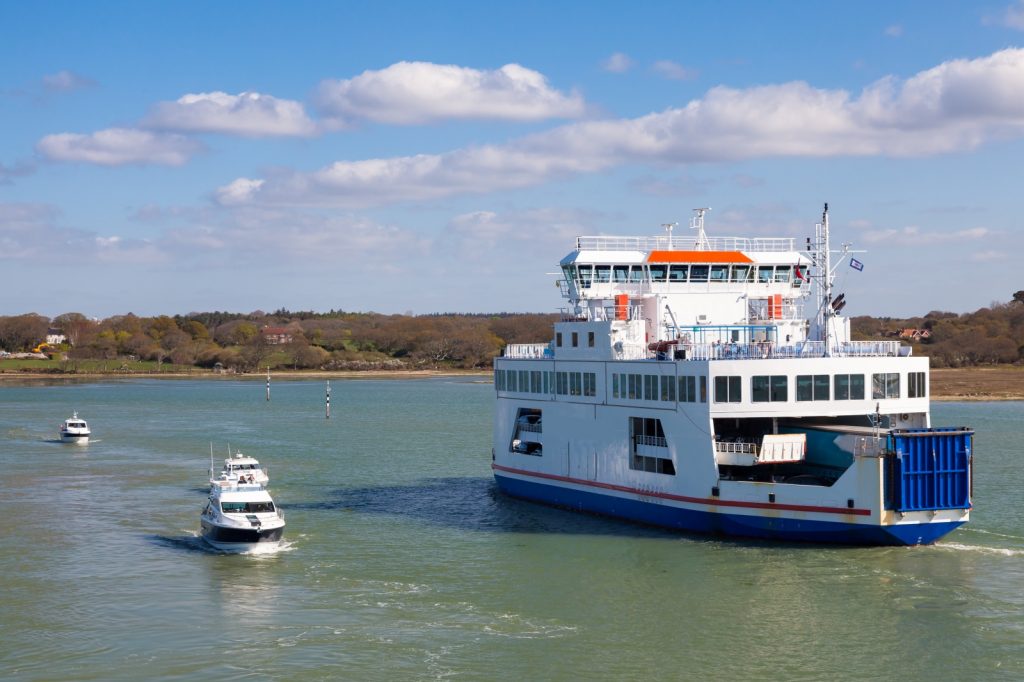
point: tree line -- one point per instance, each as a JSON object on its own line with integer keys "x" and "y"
{"x": 338, "y": 340}
{"x": 988, "y": 336}
{"x": 335, "y": 340}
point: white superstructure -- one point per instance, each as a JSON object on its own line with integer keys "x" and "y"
{"x": 74, "y": 430}
{"x": 711, "y": 384}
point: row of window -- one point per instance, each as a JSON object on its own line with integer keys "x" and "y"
{"x": 546, "y": 383}
{"x": 575, "y": 339}
{"x": 684, "y": 389}
{"x": 728, "y": 389}
{"x": 814, "y": 387}
{"x": 586, "y": 275}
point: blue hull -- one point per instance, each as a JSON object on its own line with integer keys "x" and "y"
{"x": 720, "y": 523}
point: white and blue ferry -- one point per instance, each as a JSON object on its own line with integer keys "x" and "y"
{"x": 711, "y": 385}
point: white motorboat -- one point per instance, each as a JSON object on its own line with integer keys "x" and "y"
{"x": 239, "y": 516}
{"x": 74, "y": 430}
{"x": 246, "y": 469}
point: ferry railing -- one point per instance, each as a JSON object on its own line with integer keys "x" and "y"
{"x": 529, "y": 351}
{"x": 760, "y": 244}
{"x": 535, "y": 428}
{"x": 653, "y": 441}
{"x": 736, "y": 448}
{"x": 760, "y": 350}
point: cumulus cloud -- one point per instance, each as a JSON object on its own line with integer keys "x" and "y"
{"x": 955, "y": 106}
{"x": 118, "y": 147}
{"x": 64, "y": 81}
{"x": 419, "y": 92}
{"x": 249, "y": 113}
{"x": 617, "y": 63}
{"x": 673, "y": 70}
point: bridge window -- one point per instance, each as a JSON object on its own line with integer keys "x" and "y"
{"x": 620, "y": 273}
{"x": 602, "y": 273}
{"x": 637, "y": 274}
{"x": 677, "y": 273}
{"x": 698, "y": 273}
{"x": 586, "y": 275}
{"x": 719, "y": 273}
{"x": 741, "y": 273}
{"x": 764, "y": 273}
{"x": 658, "y": 272}
{"x": 783, "y": 273}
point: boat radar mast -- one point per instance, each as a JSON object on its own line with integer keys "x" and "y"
{"x": 697, "y": 223}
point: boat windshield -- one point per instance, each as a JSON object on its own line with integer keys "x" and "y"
{"x": 246, "y": 507}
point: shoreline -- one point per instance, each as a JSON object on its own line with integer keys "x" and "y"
{"x": 972, "y": 384}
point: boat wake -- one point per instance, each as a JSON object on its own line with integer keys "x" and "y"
{"x": 1000, "y": 551}
{"x": 192, "y": 541}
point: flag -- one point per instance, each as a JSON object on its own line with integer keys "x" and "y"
{"x": 800, "y": 275}
{"x": 856, "y": 264}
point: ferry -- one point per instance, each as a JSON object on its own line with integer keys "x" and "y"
{"x": 710, "y": 384}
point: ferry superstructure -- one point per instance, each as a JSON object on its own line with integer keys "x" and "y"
{"x": 711, "y": 385}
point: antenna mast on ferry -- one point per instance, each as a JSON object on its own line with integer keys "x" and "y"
{"x": 697, "y": 223}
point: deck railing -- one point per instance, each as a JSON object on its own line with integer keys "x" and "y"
{"x": 757, "y": 350}
{"x": 761, "y": 244}
{"x": 736, "y": 448}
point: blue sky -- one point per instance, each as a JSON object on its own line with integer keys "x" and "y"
{"x": 441, "y": 157}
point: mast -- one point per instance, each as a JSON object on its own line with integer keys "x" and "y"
{"x": 826, "y": 292}
{"x": 697, "y": 223}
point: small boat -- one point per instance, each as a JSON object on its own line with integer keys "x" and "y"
{"x": 74, "y": 430}
{"x": 239, "y": 516}
{"x": 244, "y": 467}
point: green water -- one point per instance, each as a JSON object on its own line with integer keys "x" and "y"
{"x": 402, "y": 562}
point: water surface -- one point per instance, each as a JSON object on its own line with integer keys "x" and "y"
{"x": 402, "y": 562}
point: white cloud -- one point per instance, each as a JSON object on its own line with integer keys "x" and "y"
{"x": 673, "y": 70}
{"x": 119, "y": 146}
{"x": 894, "y": 31}
{"x": 617, "y": 63}
{"x": 31, "y": 232}
{"x": 249, "y": 113}
{"x": 419, "y": 92}
{"x": 955, "y": 106}
{"x": 64, "y": 81}
{"x": 989, "y": 256}
{"x": 915, "y": 236}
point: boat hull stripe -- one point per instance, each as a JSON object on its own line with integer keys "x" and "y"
{"x": 708, "y": 501}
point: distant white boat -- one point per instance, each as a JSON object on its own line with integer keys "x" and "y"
{"x": 241, "y": 467}
{"x": 74, "y": 430}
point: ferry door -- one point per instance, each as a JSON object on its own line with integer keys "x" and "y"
{"x": 581, "y": 461}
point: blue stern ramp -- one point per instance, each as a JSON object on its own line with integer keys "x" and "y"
{"x": 930, "y": 469}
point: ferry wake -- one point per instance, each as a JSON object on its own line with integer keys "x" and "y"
{"x": 711, "y": 385}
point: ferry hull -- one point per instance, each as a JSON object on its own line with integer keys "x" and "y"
{"x": 722, "y": 523}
